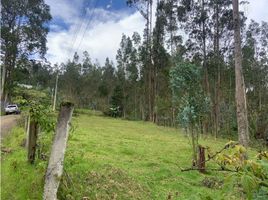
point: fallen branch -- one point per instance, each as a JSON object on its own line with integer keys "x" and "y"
{"x": 6, "y": 150}
{"x": 220, "y": 151}
{"x": 221, "y": 169}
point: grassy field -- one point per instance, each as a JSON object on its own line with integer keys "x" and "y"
{"x": 111, "y": 159}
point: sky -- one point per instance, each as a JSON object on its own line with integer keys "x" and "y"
{"x": 97, "y": 26}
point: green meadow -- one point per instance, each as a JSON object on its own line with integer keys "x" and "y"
{"x": 110, "y": 158}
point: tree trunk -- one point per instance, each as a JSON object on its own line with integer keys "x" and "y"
{"x": 204, "y": 51}
{"x": 205, "y": 68}
{"x": 55, "y": 165}
{"x": 150, "y": 64}
{"x": 194, "y": 143}
{"x": 173, "y": 117}
{"x": 135, "y": 101}
{"x": 32, "y": 141}
{"x": 260, "y": 96}
{"x": 55, "y": 94}
{"x": 217, "y": 63}
{"x": 240, "y": 94}
{"x": 3, "y": 81}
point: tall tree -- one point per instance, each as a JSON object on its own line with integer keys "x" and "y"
{"x": 160, "y": 59}
{"x": 255, "y": 62}
{"x": 146, "y": 9}
{"x": 123, "y": 62}
{"x": 108, "y": 79}
{"x": 240, "y": 93}
{"x": 23, "y": 33}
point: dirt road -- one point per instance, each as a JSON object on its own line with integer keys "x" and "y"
{"x": 7, "y": 123}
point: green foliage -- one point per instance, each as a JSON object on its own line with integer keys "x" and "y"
{"x": 248, "y": 176}
{"x": 117, "y": 102}
{"x": 43, "y": 115}
{"x": 37, "y": 104}
{"x": 192, "y": 110}
{"x": 24, "y": 97}
{"x": 185, "y": 79}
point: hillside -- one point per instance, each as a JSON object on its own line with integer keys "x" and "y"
{"x": 111, "y": 159}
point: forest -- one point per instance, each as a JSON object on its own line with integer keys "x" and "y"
{"x": 200, "y": 67}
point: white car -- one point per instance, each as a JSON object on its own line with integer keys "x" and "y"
{"x": 13, "y": 108}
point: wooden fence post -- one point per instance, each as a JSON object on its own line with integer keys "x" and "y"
{"x": 32, "y": 140}
{"x": 55, "y": 165}
{"x": 27, "y": 129}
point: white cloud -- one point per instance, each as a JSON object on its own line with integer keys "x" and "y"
{"x": 101, "y": 41}
{"x": 68, "y": 11}
{"x": 99, "y": 32}
{"x": 256, "y": 10}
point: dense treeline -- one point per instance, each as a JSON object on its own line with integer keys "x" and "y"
{"x": 201, "y": 32}
{"x": 138, "y": 85}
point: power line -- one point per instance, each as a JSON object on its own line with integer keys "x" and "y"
{"x": 75, "y": 35}
{"x": 77, "y": 32}
{"x": 89, "y": 21}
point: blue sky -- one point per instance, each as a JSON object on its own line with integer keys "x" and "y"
{"x": 97, "y": 26}
{"x": 92, "y": 25}
{"x": 64, "y": 10}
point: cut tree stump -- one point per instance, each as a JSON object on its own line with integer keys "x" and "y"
{"x": 55, "y": 165}
{"x": 201, "y": 162}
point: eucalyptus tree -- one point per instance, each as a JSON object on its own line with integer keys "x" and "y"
{"x": 171, "y": 24}
{"x": 138, "y": 58}
{"x": 161, "y": 65}
{"x": 193, "y": 103}
{"x": 240, "y": 93}
{"x": 194, "y": 18}
{"x": 255, "y": 65}
{"x": 87, "y": 65}
{"x": 145, "y": 7}
{"x": 68, "y": 85}
{"x": 24, "y": 27}
{"x": 107, "y": 81}
{"x": 133, "y": 75}
{"x": 209, "y": 27}
{"x": 123, "y": 66}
